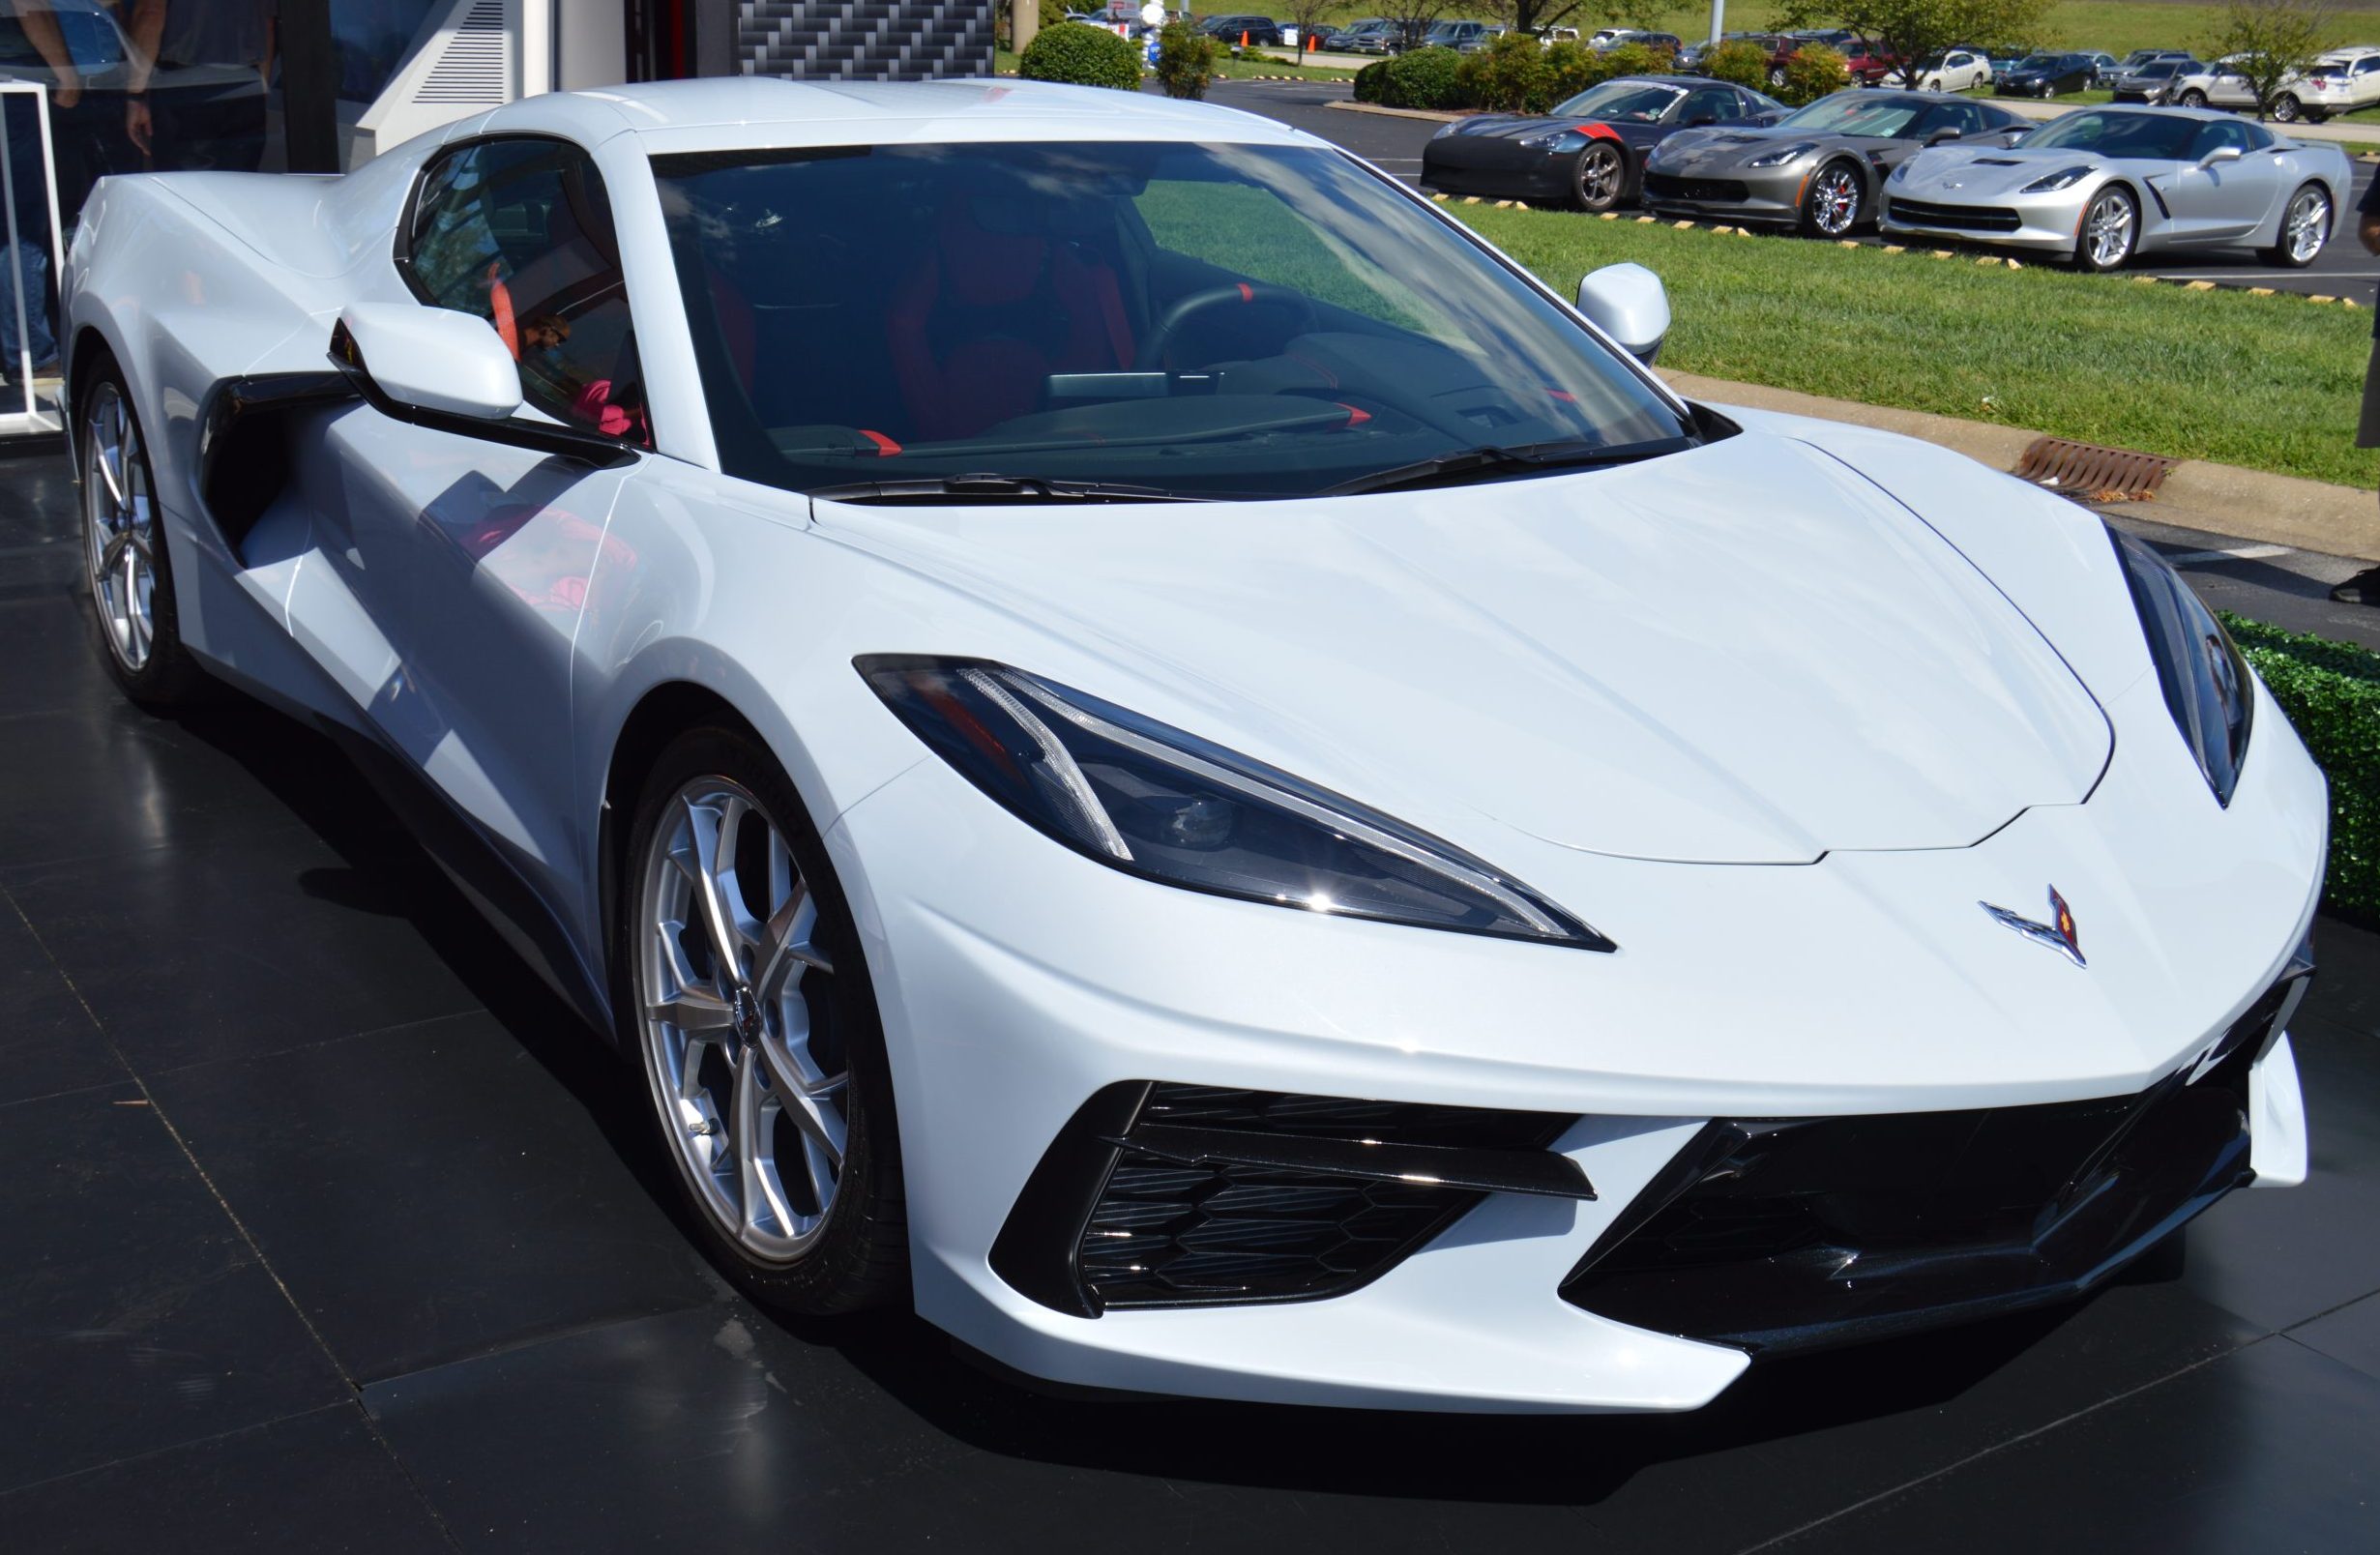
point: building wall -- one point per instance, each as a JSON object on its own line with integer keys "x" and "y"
{"x": 863, "y": 40}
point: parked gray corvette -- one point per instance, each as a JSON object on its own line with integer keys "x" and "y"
{"x": 2106, "y": 184}
{"x": 1818, "y": 167}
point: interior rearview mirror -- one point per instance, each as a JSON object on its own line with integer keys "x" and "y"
{"x": 429, "y": 360}
{"x": 1627, "y": 302}
{"x": 2221, "y": 154}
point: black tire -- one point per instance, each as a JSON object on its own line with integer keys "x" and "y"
{"x": 858, "y": 1255}
{"x": 1600, "y": 176}
{"x": 1823, "y": 214}
{"x": 2088, "y": 256}
{"x": 2282, "y": 255}
{"x": 2193, "y": 98}
{"x": 158, "y": 674}
{"x": 2289, "y": 110}
{"x": 2317, "y": 115}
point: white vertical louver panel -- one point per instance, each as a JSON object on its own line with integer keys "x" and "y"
{"x": 474, "y": 67}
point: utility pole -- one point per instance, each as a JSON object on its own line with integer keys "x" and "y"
{"x": 1024, "y": 20}
{"x": 1719, "y": 18}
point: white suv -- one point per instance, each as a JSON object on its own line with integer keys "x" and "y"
{"x": 2340, "y": 81}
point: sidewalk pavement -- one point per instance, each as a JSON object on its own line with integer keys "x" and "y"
{"x": 2220, "y": 499}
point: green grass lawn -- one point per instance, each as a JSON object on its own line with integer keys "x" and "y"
{"x": 2271, "y": 383}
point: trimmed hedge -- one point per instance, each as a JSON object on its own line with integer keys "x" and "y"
{"x": 1082, "y": 56}
{"x": 1510, "y": 75}
{"x": 2330, "y": 691}
{"x": 1812, "y": 72}
{"x": 1741, "y": 60}
{"x": 1185, "y": 60}
{"x": 1424, "y": 78}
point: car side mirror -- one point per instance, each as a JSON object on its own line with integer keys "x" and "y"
{"x": 1627, "y": 302}
{"x": 2218, "y": 156}
{"x": 427, "y": 359}
{"x": 1941, "y": 136}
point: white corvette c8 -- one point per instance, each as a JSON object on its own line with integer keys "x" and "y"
{"x": 1152, "y": 747}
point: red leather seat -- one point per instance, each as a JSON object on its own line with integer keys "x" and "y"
{"x": 984, "y": 319}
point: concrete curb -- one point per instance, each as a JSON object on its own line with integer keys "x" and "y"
{"x": 2223, "y": 499}
{"x": 1431, "y": 115}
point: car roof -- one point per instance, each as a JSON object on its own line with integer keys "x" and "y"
{"x": 721, "y": 113}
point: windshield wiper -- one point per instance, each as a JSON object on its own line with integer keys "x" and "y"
{"x": 993, "y": 488}
{"x": 1490, "y": 458}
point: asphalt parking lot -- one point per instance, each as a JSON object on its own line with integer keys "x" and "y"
{"x": 1394, "y": 145}
{"x": 329, "y": 1228}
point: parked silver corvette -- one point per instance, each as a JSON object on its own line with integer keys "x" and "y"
{"x": 2103, "y": 184}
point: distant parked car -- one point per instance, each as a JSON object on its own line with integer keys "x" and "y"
{"x": 2047, "y": 75}
{"x": 1956, "y": 69}
{"x": 1373, "y": 35}
{"x": 1231, "y": 29}
{"x": 1657, "y": 41}
{"x": 1692, "y": 56}
{"x": 2104, "y": 65}
{"x": 1462, "y": 36}
{"x": 2221, "y": 85}
{"x": 2145, "y": 56}
{"x": 1818, "y": 167}
{"x": 1865, "y": 63}
{"x": 2074, "y": 188}
{"x": 2341, "y": 81}
{"x": 1589, "y": 151}
{"x": 2151, "y": 80}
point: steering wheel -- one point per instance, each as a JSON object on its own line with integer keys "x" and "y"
{"x": 1151, "y": 353}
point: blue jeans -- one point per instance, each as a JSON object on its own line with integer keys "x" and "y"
{"x": 32, "y": 271}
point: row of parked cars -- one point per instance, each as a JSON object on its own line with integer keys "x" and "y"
{"x": 2097, "y": 186}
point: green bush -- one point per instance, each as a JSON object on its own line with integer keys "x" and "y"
{"x": 1507, "y": 77}
{"x": 1425, "y": 79}
{"x": 1741, "y": 60}
{"x": 1811, "y": 73}
{"x": 1371, "y": 80}
{"x": 1084, "y": 56}
{"x": 2330, "y": 691}
{"x": 1570, "y": 69}
{"x": 1635, "y": 59}
{"x": 1185, "y": 60}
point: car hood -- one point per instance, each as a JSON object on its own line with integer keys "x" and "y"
{"x": 1715, "y": 147}
{"x": 1975, "y": 173}
{"x": 1744, "y": 652}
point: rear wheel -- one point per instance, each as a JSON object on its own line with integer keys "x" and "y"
{"x": 2304, "y": 228}
{"x": 1598, "y": 179}
{"x": 2193, "y": 98}
{"x": 125, "y": 564}
{"x": 1777, "y": 76}
{"x": 743, "y": 991}
{"x": 1835, "y": 202}
{"x": 2109, "y": 229}
{"x": 2289, "y": 110}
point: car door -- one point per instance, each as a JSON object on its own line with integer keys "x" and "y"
{"x": 2364, "y": 81}
{"x": 460, "y": 562}
{"x": 1708, "y": 104}
{"x": 2224, "y": 202}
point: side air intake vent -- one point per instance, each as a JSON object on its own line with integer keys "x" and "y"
{"x": 1172, "y": 1196}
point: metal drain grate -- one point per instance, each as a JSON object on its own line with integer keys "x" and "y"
{"x": 2093, "y": 474}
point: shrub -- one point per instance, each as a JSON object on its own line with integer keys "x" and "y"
{"x": 1371, "y": 80}
{"x": 1635, "y": 59}
{"x": 1425, "y": 79}
{"x": 1507, "y": 77}
{"x": 1084, "y": 56}
{"x": 1811, "y": 73}
{"x": 1741, "y": 60}
{"x": 1570, "y": 69}
{"x": 1185, "y": 60}
{"x": 2330, "y": 691}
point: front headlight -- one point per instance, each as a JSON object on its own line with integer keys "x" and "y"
{"x": 1778, "y": 157}
{"x": 2063, "y": 178}
{"x": 2206, "y": 681}
{"x": 1154, "y": 802}
{"x": 1447, "y": 128}
{"x": 1556, "y": 141}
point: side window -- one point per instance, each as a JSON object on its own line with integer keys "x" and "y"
{"x": 2365, "y": 67}
{"x": 520, "y": 233}
{"x": 1710, "y": 103}
{"x": 2218, "y": 135}
{"x": 2257, "y": 136}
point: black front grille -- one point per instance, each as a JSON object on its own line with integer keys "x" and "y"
{"x": 1793, "y": 1234}
{"x": 1168, "y": 1195}
{"x": 1711, "y": 190}
{"x": 1956, "y": 218}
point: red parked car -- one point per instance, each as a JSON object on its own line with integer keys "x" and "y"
{"x": 1868, "y": 63}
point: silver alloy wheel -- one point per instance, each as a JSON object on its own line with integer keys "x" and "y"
{"x": 2108, "y": 230}
{"x": 2286, "y": 110}
{"x": 1599, "y": 178}
{"x": 1835, "y": 200}
{"x": 2308, "y": 225}
{"x": 757, "y": 1114}
{"x": 120, "y": 535}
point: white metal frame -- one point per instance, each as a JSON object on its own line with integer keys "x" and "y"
{"x": 33, "y": 420}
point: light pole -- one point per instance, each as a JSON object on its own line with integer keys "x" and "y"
{"x": 1719, "y": 19}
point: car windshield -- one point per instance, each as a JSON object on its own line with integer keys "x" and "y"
{"x": 1846, "y": 113}
{"x": 2156, "y": 68}
{"x": 2037, "y": 62}
{"x": 1640, "y": 102}
{"x": 2151, "y": 135}
{"x": 1216, "y": 320}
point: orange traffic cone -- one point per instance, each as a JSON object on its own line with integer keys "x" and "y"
{"x": 1243, "y": 38}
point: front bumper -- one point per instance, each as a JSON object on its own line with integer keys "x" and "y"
{"x": 2039, "y": 223}
{"x": 1019, "y": 982}
{"x": 1757, "y": 194}
{"x": 1482, "y": 164}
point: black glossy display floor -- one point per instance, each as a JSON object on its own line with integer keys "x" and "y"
{"x": 322, "y": 1226}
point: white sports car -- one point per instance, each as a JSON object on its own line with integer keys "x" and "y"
{"x": 1154, "y": 749}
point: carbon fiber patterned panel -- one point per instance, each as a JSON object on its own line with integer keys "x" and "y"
{"x": 865, "y": 40}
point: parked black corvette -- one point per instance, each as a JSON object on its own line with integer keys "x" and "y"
{"x": 2043, "y": 75}
{"x": 1591, "y": 150}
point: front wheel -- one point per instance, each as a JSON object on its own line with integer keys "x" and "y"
{"x": 2110, "y": 228}
{"x": 1777, "y": 76}
{"x": 125, "y": 564}
{"x": 2304, "y": 228}
{"x": 1834, "y": 204}
{"x": 1596, "y": 180}
{"x": 2287, "y": 110}
{"x": 2193, "y": 98}
{"x": 743, "y": 991}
